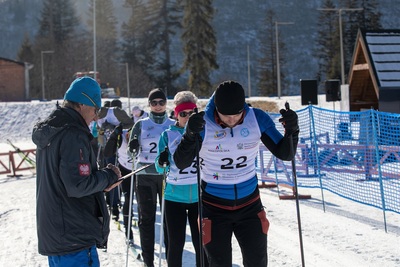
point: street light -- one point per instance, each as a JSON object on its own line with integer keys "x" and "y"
{"x": 94, "y": 42}
{"x": 341, "y": 34}
{"x": 41, "y": 58}
{"x": 278, "y": 68}
{"x": 127, "y": 86}
{"x": 248, "y": 71}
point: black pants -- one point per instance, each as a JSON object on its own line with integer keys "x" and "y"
{"x": 176, "y": 216}
{"x": 249, "y": 224}
{"x": 113, "y": 196}
{"x": 126, "y": 190}
{"x": 148, "y": 186}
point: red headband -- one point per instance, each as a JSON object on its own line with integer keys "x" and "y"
{"x": 183, "y": 106}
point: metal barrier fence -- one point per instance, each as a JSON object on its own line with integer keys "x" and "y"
{"x": 355, "y": 155}
{"x": 15, "y": 161}
{"x": 5, "y": 163}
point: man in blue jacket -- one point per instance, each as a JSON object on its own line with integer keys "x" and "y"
{"x": 71, "y": 212}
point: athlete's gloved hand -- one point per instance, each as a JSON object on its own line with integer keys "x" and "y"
{"x": 117, "y": 133}
{"x": 289, "y": 120}
{"x": 195, "y": 124}
{"x": 114, "y": 142}
{"x": 163, "y": 159}
{"x": 134, "y": 145}
{"x": 118, "y": 129}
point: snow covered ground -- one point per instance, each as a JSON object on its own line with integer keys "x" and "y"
{"x": 346, "y": 234}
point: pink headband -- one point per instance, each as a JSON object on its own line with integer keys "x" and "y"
{"x": 183, "y": 106}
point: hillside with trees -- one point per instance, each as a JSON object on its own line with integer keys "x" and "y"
{"x": 176, "y": 44}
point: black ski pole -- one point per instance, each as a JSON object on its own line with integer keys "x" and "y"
{"x": 130, "y": 214}
{"x": 296, "y": 194}
{"x": 131, "y": 193}
{"x": 162, "y": 211}
{"x": 199, "y": 204}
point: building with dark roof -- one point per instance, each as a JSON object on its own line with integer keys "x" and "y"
{"x": 374, "y": 77}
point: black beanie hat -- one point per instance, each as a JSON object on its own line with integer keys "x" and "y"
{"x": 156, "y": 93}
{"x": 116, "y": 103}
{"x": 107, "y": 104}
{"x": 229, "y": 98}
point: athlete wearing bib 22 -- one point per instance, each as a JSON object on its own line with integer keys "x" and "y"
{"x": 229, "y": 137}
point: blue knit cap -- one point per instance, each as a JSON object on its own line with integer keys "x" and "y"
{"x": 84, "y": 90}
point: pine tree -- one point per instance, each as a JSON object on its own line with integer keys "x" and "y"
{"x": 367, "y": 18}
{"x": 199, "y": 45}
{"x": 146, "y": 41}
{"x": 58, "y": 21}
{"x": 162, "y": 20}
{"x": 133, "y": 51}
{"x": 171, "y": 15}
{"x": 268, "y": 81}
{"x": 267, "y": 65}
{"x": 58, "y": 32}
{"x": 328, "y": 43}
{"x": 26, "y": 53}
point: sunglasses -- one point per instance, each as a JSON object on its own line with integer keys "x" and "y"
{"x": 183, "y": 114}
{"x": 96, "y": 109}
{"x": 154, "y": 103}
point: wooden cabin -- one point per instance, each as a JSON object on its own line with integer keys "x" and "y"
{"x": 374, "y": 76}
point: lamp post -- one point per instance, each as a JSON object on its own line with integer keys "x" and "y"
{"x": 341, "y": 34}
{"x": 278, "y": 68}
{"x": 248, "y": 71}
{"x": 41, "y": 61}
{"x": 94, "y": 42}
{"x": 127, "y": 86}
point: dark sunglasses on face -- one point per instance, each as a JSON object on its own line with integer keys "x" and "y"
{"x": 96, "y": 109}
{"x": 154, "y": 103}
{"x": 183, "y": 114}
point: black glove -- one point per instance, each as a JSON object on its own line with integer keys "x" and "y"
{"x": 118, "y": 135}
{"x": 195, "y": 124}
{"x": 289, "y": 121}
{"x": 118, "y": 129}
{"x": 163, "y": 159}
{"x": 113, "y": 143}
{"x": 133, "y": 145}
